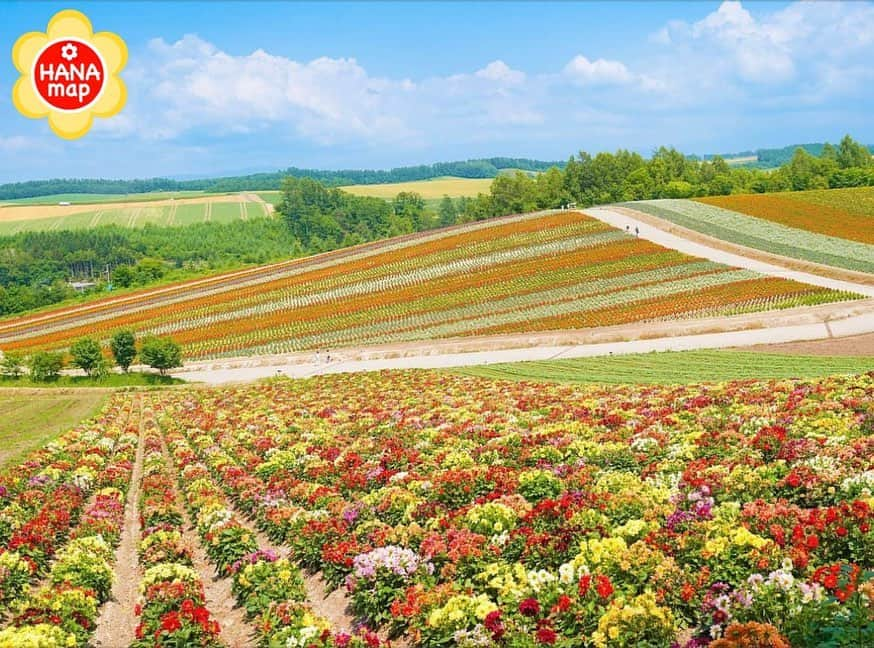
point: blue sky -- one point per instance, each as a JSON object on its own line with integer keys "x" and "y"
{"x": 230, "y": 87}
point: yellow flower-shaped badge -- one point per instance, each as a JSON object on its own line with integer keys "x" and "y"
{"x": 69, "y": 74}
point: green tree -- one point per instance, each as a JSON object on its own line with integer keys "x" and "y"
{"x": 447, "y": 212}
{"x": 124, "y": 348}
{"x": 12, "y": 365}
{"x": 161, "y": 353}
{"x": 123, "y": 276}
{"x": 852, "y": 154}
{"x": 46, "y": 366}
{"x": 88, "y": 356}
{"x": 411, "y": 206}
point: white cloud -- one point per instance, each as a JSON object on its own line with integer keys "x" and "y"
{"x": 775, "y": 48}
{"x": 501, "y": 72}
{"x": 598, "y": 72}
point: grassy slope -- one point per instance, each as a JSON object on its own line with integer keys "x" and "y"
{"x": 30, "y": 418}
{"x": 674, "y": 367}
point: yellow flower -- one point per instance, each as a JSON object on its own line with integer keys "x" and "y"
{"x": 69, "y": 74}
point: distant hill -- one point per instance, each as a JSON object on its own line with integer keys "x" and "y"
{"x": 769, "y": 158}
{"x": 479, "y": 168}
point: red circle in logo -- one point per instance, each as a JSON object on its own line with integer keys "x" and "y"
{"x": 69, "y": 75}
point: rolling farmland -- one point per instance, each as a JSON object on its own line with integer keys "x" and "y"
{"x": 766, "y": 235}
{"x": 144, "y": 209}
{"x": 535, "y": 272}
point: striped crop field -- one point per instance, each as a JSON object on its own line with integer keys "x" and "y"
{"x": 841, "y": 213}
{"x": 162, "y": 210}
{"x": 767, "y": 235}
{"x": 533, "y": 272}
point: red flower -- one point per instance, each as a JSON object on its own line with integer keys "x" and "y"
{"x": 529, "y": 607}
{"x": 603, "y": 586}
{"x": 546, "y": 636}
{"x": 494, "y": 625}
{"x": 841, "y": 531}
{"x": 170, "y": 622}
{"x": 584, "y": 584}
{"x": 812, "y": 542}
{"x": 563, "y": 604}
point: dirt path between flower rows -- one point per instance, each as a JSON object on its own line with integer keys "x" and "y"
{"x": 117, "y": 622}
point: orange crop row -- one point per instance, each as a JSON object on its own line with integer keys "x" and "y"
{"x": 723, "y": 295}
{"x": 794, "y": 212}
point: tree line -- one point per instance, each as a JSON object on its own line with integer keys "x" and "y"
{"x": 87, "y": 354}
{"x": 624, "y": 176}
{"x": 479, "y": 168}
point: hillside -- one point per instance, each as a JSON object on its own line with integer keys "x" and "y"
{"x": 534, "y": 272}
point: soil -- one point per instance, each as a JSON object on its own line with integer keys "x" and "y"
{"x": 855, "y": 345}
{"x": 332, "y": 605}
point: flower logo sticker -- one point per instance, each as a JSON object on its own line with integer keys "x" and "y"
{"x": 69, "y": 74}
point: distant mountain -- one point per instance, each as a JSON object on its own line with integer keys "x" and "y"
{"x": 479, "y": 168}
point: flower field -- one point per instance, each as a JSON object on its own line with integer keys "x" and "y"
{"x": 785, "y": 226}
{"x": 455, "y": 511}
{"x": 841, "y": 213}
{"x": 510, "y": 275}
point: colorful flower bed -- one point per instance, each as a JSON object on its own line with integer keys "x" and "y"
{"x": 533, "y": 272}
{"x": 757, "y": 231}
{"x": 841, "y": 213}
{"x": 460, "y": 511}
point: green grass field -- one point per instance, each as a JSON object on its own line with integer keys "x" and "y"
{"x": 29, "y": 418}
{"x": 674, "y": 367}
